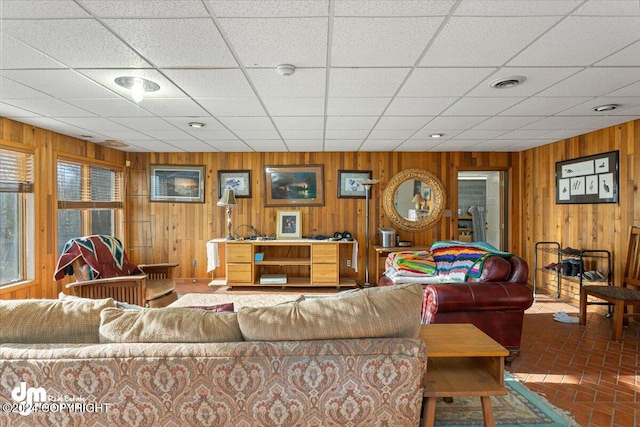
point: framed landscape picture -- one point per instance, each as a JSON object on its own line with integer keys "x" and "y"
{"x": 237, "y": 180}
{"x": 169, "y": 183}
{"x": 350, "y": 184}
{"x": 294, "y": 185}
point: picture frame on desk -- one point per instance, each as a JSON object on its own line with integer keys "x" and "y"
{"x": 294, "y": 185}
{"x": 289, "y": 225}
{"x": 170, "y": 183}
{"x": 350, "y": 184}
{"x": 237, "y": 180}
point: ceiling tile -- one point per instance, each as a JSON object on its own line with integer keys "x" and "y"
{"x": 175, "y": 42}
{"x": 294, "y": 106}
{"x": 372, "y": 42}
{"x": 113, "y": 107}
{"x": 60, "y": 83}
{"x": 79, "y": 43}
{"x": 127, "y": 136}
{"x": 594, "y": 82}
{"x": 443, "y": 82}
{"x": 478, "y": 134}
{"x": 419, "y": 106}
{"x": 229, "y": 145}
{"x": 414, "y": 123}
{"x": 146, "y": 8}
{"x": 523, "y": 134}
{"x": 454, "y": 123}
{"x": 247, "y": 123}
{"x": 314, "y": 122}
{"x": 17, "y": 55}
{"x": 38, "y": 9}
{"x": 183, "y": 123}
{"x": 144, "y": 123}
{"x": 586, "y": 108}
{"x": 515, "y": 7}
{"x": 55, "y": 126}
{"x": 11, "y": 89}
{"x": 173, "y": 107}
{"x": 267, "y": 145}
{"x": 270, "y": 8}
{"x": 348, "y": 122}
{"x": 484, "y": 41}
{"x": 556, "y": 122}
{"x": 247, "y": 134}
{"x": 419, "y": 144}
{"x": 356, "y": 106}
{"x": 215, "y": 135}
{"x": 304, "y": 144}
{"x": 170, "y": 135}
{"x": 96, "y": 124}
{"x": 211, "y": 83}
{"x": 291, "y": 134}
{"x": 537, "y": 79}
{"x": 107, "y": 78}
{"x": 391, "y": 133}
{"x": 347, "y": 133}
{"x": 380, "y": 145}
{"x": 342, "y": 144}
{"x": 609, "y": 7}
{"x": 629, "y": 56}
{"x": 11, "y": 111}
{"x": 392, "y": 7}
{"x": 305, "y": 82}
{"x": 192, "y": 145}
{"x": 229, "y": 107}
{"x": 159, "y": 146}
{"x": 261, "y": 42}
{"x": 506, "y": 122}
{"x": 542, "y": 106}
{"x": 580, "y": 40}
{"x": 458, "y": 145}
{"x": 48, "y": 106}
{"x": 481, "y": 106}
{"x": 369, "y": 82}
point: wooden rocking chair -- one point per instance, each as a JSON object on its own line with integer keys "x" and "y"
{"x": 619, "y": 297}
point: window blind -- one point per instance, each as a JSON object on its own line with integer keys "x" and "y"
{"x": 88, "y": 186}
{"x": 16, "y": 171}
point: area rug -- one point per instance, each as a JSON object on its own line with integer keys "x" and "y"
{"x": 519, "y": 407}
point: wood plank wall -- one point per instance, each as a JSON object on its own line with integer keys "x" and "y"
{"x": 178, "y": 232}
{"x": 45, "y": 144}
{"x": 585, "y": 226}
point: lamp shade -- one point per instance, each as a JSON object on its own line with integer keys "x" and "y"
{"x": 228, "y": 198}
{"x": 417, "y": 199}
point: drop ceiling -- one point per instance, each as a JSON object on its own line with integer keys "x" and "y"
{"x": 370, "y": 75}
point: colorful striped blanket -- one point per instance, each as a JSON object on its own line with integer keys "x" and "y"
{"x": 411, "y": 263}
{"x": 458, "y": 260}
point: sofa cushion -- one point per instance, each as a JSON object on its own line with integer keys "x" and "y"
{"x": 390, "y": 311}
{"x": 217, "y": 308}
{"x": 169, "y": 324}
{"x": 35, "y": 321}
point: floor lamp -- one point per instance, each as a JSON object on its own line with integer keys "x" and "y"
{"x": 367, "y": 183}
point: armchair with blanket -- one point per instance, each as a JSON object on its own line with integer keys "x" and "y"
{"x": 102, "y": 270}
{"x": 469, "y": 283}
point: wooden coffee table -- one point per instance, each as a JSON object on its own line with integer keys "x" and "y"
{"x": 461, "y": 361}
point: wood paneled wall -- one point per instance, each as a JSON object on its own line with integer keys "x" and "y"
{"x": 45, "y": 145}
{"x": 178, "y": 232}
{"x": 585, "y": 226}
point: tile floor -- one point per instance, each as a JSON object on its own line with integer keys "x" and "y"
{"x": 577, "y": 368}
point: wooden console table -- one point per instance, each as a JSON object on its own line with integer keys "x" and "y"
{"x": 461, "y": 361}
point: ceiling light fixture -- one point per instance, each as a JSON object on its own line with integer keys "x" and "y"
{"x": 197, "y": 125}
{"x": 605, "y": 107}
{"x": 286, "y": 69}
{"x": 436, "y": 135}
{"x": 138, "y": 86}
{"x": 507, "y": 82}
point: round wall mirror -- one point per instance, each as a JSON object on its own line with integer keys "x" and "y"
{"x": 414, "y": 199}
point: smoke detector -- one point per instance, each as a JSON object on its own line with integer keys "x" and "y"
{"x": 507, "y": 82}
{"x": 286, "y": 69}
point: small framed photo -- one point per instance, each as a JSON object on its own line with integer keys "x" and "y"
{"x": 294, "y": 185}
{"x": 237, "y": 180}
{"x": 183, "y": 184}
{"x": 289, "y": 225}
{"x": 350, "y": 184}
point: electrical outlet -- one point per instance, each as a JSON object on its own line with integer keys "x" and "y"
{"x": 194, "y": 263}
{"x": 348, "y": 263}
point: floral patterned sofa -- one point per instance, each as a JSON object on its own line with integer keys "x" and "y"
{"x": 352, "y": 360}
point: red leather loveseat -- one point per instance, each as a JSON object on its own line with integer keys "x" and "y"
{"x": 495, "y": 302}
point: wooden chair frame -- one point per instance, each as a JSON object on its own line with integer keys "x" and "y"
{"x": 627, "y": 294}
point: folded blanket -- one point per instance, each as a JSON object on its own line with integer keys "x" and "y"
{"x": 409, "y": 263}
{"x": 457, "y": 261}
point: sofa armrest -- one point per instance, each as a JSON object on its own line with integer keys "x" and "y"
{"x": 477, "y": 296}
{"x": 159, "y": 271}
{"x": 120, "y": 280}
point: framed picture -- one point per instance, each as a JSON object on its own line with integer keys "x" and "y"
{"x": 294, "y": 185}
{"x": 350, "y": 184}
{"x": 289, "y": 225}
{"x": 239, "y": 181}
{"x": 589, "y": 179}
{"x": 183, "y": 184}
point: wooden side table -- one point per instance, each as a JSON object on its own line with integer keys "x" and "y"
{"x": 461, "y": 361}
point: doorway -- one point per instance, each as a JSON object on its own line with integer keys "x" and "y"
{"x": 482, "y": 207}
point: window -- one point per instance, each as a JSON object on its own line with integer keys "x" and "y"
{"x": 16, "y": 217}
{"x": 89, "y": 200}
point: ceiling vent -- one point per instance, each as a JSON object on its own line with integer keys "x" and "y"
{"x": 508, "y": 82}
{"x": 114, "y": 144}
{"x": 605, "y": 107}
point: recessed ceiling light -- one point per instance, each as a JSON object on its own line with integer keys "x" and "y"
{"x": 507, "y": 82}
{"x": 436, "y": 135}
{"x": 196, "y": 125}
{"x": 138, "y": 86}
{"x": 286, "y": 69}
{"x": 605, "y": 107}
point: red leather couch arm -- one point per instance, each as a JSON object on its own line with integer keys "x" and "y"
{"x": 472, "y": 296}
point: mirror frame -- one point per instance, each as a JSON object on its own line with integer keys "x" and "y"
{"x": 439, "y": 199}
